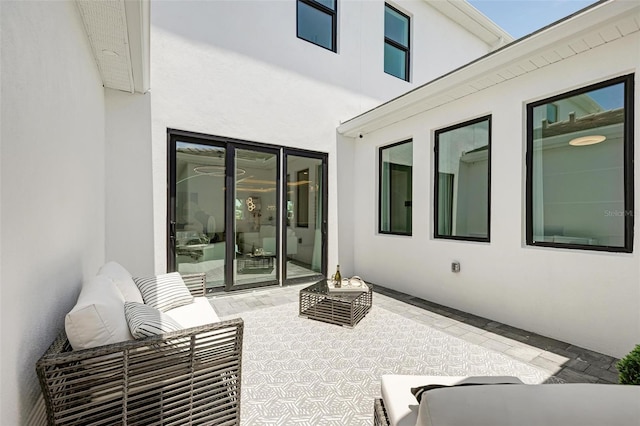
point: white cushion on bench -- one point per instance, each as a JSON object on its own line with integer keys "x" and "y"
{"x": 123, "y": 280}
{"x": 198, "y": 313}
{"x": 576, "y": 404}
{"x": 98, "y": 317}
{"x": 401, "y": 404}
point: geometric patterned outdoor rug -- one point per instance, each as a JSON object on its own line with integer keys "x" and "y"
{"x": 297, "y": 371}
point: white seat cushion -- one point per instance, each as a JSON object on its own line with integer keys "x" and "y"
{"x": 576, "y": 404}
{"x": 402, "y": 405}
{"x": 123, "y": 281}
{"x": 195, "y": 314}
{"x": 98, "y": 317}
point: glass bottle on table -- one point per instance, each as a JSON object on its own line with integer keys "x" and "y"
{"x": 337, "y": 277}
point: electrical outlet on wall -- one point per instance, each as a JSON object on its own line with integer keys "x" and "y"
{"x": 455, "y": 266}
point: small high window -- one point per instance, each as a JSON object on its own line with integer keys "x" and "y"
{"x": 317, "y": 22}
{"x": 396, "y": 43}
{"x": 580, "y": 170}
{"x": 395, "y": 171}
{"x": 462, "y": 181}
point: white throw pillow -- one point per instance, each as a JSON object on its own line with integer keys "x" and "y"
{"x": 145, "y": 321}
{"x": 97, "y": 319}
{"x": 198, "y": 313}
{"x": 123, "y": 280}
{"x": 164, "y": 292}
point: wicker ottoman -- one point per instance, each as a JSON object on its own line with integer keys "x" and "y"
{"x": 346, "y": 309}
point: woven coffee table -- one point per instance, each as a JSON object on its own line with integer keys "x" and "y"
{"x": 347, "y": 309}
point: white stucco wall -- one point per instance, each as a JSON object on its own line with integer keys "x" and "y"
{"x": 52, "y": 194}
{"x": 129, "y": 222}
{"x": 590, "y": 299}
{"x": 237, "y": 69}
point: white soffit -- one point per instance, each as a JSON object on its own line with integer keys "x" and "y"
{"x": 118, "y": 32}
{"x": 595, "y": 26}
{"x": 473, "y": 21}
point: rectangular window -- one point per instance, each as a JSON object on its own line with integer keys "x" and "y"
{"x": 395, "y": 171}
{"x": 462, "y": 181}
{"x": 396, "y": 43}
{"x": 579, "y": 169}
{"x": 317, "y": 22}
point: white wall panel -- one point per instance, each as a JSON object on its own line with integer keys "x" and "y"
{"x": 53, "y": 185}
{"x": 587, "y": 298}
{"x": 237, "y": 69}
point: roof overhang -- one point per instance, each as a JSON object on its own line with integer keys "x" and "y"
{"x": 599, "y": 24}
{"x": 473, "y": 21}
{"x": 118, "y": 32}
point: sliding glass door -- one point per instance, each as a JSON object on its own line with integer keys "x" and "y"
{"x": 256, "y": 217}
{"x": 306, "y": 224}
{"x": 197, "y": 210}
{"x": 229, "y": 219}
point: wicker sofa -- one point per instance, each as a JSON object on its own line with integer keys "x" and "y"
{"x": 189, "y": 376}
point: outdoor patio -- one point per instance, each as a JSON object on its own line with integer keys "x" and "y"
{"x": 297, "y": 369}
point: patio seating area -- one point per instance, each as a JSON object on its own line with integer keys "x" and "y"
{"x": 299, "y": 369}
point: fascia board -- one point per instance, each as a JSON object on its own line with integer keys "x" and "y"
{"x": 138, "y": 28}
{"x": 419, "y": 99}
{"x": 472, "y": 20}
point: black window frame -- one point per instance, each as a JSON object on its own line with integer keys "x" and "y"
{"x": 380, "y": 189}
{"x": 406, "y": 49}
{"x": 333, "y": 13}
{"x": 436, "y": 180}
{"x": 628, "y": 164}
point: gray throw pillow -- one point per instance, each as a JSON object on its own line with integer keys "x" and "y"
{"x": 145, "y": 321}
{"x": 164, "y": 292}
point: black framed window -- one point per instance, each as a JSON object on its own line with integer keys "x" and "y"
{"x": 396, "y": 42}
{"x": 580, "y": 168}
{"x": 462, "y": 181}
{"x": 317, "y": 22}
{"x": 396, "y": 181}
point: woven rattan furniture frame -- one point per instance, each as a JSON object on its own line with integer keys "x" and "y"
{"x": 380, "y": 413}
{"x": 187, "y": 377}
{"x": 347, "y": 309}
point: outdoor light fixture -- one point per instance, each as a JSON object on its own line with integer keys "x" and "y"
{"x": 587, "y": 140}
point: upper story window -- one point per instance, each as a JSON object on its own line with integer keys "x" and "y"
{"x": 396, "y": 165}
{"x": 396, "y": 43}
{"x": 580, "y": 170}
{"x": 462, "y": 181}
{"x": 317, "y": 22}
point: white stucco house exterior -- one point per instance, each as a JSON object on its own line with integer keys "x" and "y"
{"x": 92, "y": 91}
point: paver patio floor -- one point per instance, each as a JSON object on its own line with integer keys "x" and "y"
{"x": 570, "y": 363}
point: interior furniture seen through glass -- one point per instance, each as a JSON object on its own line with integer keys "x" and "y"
{"x": 304, "y": 242}
{"x": 462, "y": 181}
{"x": 199, "y": 224}
{"x": 579, "y": 170}
{"x": 255, "y": 219}
{"x": 234, "y": 218}
{"x": 396, "y": 182}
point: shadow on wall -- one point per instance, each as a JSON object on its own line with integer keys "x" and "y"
{"x": 276, "y": 45}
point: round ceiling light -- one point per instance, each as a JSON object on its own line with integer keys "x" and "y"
{"x": 587, "y": 140}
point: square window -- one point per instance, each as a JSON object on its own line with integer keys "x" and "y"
{"x": 462, "y": 181}
{"x": 579, "y": 169}
{"x": 317, "y": 22}
{"x": 396, "y": 178}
